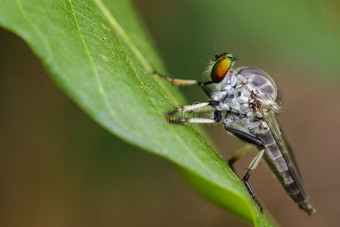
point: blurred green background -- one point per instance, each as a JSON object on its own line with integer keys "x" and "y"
{"x": 58, "y": 168}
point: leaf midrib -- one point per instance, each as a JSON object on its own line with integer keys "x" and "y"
{"x": 94, "y": 67}
{"x": 115, "y": 25}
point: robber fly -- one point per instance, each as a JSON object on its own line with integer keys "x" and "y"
{"x": 246, "y": 100}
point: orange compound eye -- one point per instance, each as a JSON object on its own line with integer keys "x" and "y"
{"x": 220, "y": 70}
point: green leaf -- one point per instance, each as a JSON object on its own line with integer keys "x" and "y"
{"x": 98, "y": 53}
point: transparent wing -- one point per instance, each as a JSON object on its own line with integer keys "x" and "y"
{"x": 286, "y": 150}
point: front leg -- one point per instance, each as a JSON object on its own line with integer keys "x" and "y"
{"x": 203, "y": 85}
{"x": 192, "y": 120}
{"x": 191, "y": 108}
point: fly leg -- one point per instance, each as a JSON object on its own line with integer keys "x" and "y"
{"x": 192, "y": 120}
{"x": 247, "y": 138}
{"x": 260, "y": 145}
{"x": 239, "y": 154}
{"x": 251, "y": 168}
{"x": 203, "y": 85}
{"x": 191, "y": 108}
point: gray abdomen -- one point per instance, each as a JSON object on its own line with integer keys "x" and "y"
{"x": 279, "y": 166}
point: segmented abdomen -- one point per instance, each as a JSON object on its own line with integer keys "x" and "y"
{"x": 279, "y": 166}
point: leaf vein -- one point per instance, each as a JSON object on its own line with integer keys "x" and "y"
{"x": 37, "y": 30}
{"x": 114, "y": 23}
{"x": 94, "y": 67}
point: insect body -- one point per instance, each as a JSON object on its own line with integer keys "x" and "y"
{"x": 246, "y": 101}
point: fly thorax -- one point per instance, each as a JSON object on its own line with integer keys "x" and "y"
{"x": 245, "y": 87}
{"x": 262, "y": 85}
{"x": 233, "y": 96}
